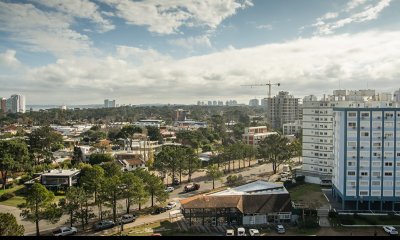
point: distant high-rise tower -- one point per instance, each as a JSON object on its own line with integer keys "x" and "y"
{"x": 254, "y": 102}
{"x": 181, "y": 115}
{"x": 109, "y": 103}
{"x": 16, "y": 104}
{"x": 3, "y": 105}
{"x": 281, "y": 109}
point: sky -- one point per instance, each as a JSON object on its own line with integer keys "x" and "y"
{"x": 183, "y": 51}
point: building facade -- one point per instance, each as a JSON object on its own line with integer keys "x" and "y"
{"x": 318, "y": 130}
{"x": 282, "y": 108}
{"x": 109, "y": 103}
{"x": 254, "y": 102}
{"x": 15, "y": 104}
{"x": 292, "y": 128}
{"x": 253, "y": 135}
{"x": 366, "y": 172}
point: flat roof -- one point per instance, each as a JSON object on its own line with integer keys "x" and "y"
{"x": 254, "y": 188}
{"x": 63, "y": 172}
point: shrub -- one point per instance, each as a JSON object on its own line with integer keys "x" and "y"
{"x": 347, "y": 219}
{"x": 7, "y": 196}
{"x": 300, "y": 179}
{"x": 333, "y": 214}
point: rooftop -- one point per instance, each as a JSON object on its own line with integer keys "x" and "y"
{"x": 61, "y": 172}
{"x": 257, "y": 187}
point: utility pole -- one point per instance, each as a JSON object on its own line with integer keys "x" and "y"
{"x": 269, "y": 84}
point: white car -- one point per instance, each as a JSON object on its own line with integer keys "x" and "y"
{"x": 390, "y": 230}
{"x": 280, "y": 228}
{"x": 241, "y": 232}
{"x": 230, "y": 232}
{"x": 170, "y": 205}
{"x": 254, "y": 232}
{"x": 169, "y": 189}
{"x": 65, "y": 231}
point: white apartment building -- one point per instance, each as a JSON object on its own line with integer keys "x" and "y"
{"x": 253, "y": 135}
{"x": 318, "y": 130}
{"x": 366, "y": 171}
{"x": 292, "y": 128}
{"x": 16, "y": 104}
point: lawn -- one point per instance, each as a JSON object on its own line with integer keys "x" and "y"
{"x": 164, "y": 227}
{"x": 308, "y": 193}
{"x": 19, "y": 196}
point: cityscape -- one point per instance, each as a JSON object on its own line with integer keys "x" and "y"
{"x": 199, "y": 118}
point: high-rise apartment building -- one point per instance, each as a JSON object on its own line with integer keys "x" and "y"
{"x": 396, "y": 96}
{"x": 3, "y": 105}
{"x": 109, "y": 103}
{"x": 254, "y": 102}
{"x": 181, "y": 115}
{"x": 366, "y": 171}
{"x": 282, "y": 108}
{"x": 318, "y": 130}
{"x": 16, "y": 104}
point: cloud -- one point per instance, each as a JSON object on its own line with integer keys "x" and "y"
{"x": 330, "y": 22}
{"x": 42, "y": 31}
{"x": 8, "y": 59}
{"x": 303, "y": 66}
{"x": 267, "y": 27}
{"x": 80, "y": 9}
{"x": 191, "y": 43}
{"x": 167, "y": 17}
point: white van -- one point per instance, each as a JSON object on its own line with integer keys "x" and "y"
{"x": 241, "y": 232}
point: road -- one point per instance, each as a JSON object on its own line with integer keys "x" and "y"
{"x": 176, "y": 195}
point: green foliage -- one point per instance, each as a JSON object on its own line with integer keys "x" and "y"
{"x": 333, "y": 214}
{"x": 276, "y": 149}
{"x": 97, "y": 158}
{"x": 43, "y": 141}
{"x": 9, "y": 225}
{"x": 39, "y": 206}
{"x": 234, "y": 180}
{"x": 154, "y": 134}
{"x": 214, "y": 173}
{"x": 310, "y": 221}
{"x": 300, "y": 179}
{"x": 7, "y": 196}
{"x": 13, "y": 157}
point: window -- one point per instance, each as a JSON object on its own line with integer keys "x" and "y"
{"x": 387, "y": 183}
{"x": 376, "y": 164}
{"x": 387, "y": 193}
{"x": 351, "y": 173}
{"x": 351, "y": 163}
{"x": 388, "y": 174}
{"x": 364, "y": 114}
{"x": 352, "y": 124}
{"x": 375, "y": 183}
{"x": 375, "y": 193}
{"x": 363, "y": 193}
{"x": 376, "y": 174}
{"x": 364, "y": 134}
{"x": 351, "y": 183}
{"x": 352, "y": 114}
{"x": 388, "y": 164}
{"x": 364, "y": 174}
{"x": 364, "y": 183}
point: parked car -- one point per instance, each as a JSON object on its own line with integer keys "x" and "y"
{"x": 280, "y": 229}
{"x": 170, "y": 205}
{"x": 390, "y": 230}
{"x": 230, "y": 232}
{"x": 103, "y": 225}
{"x": 254, "y": 232}
{"x": 159, "y": 210}
{"x": 241, "y": 231}
{"x": 127, "y": 218}
{"x": 169, "y": 189}
{"x": 192, "y": 187}
{"x": 65, "y": 231}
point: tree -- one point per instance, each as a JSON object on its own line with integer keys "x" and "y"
{"x": 153, "y": 185}
{"x": 97, "y": 158}
{"x": 129, "y": 132}
{"x": 39, "y": 206}
{"x": 214, "y": 173}
{"x": 77, "y": 156}
{"x": 91, "y": 178}
{"x": 276, "y": 149}
{"x": 9, "y": 225}
{"x": 112, "y": 185}
{"x": 70, "y": 204}
{"x": 13, "y": 157}
{"x": 297, "y": 148}
{"x": 133, "y": 190}
{"x": 154, "y": 134}
{"x": 43, "y": 141}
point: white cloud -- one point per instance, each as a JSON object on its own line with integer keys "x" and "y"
{"x": 80, "y": 9}
{"x": 191, "y": 43}
{"x": 8, "y": 59}
{"x": 167, "y": 17}
{"x": 267, "y": 27}
{"x": 368, "y": 13}
{"x": 42, "y": 31}
{"x": 302, "y": 66}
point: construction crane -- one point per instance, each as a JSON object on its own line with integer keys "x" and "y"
{"x": 269, "y": 84}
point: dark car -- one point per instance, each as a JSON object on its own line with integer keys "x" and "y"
{"x": 175, "y": 182}
{"x": 160, "y": 210}
{"x": 103, "y": 225}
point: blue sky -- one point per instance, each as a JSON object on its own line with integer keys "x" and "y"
{"x": 182, "y": 51}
